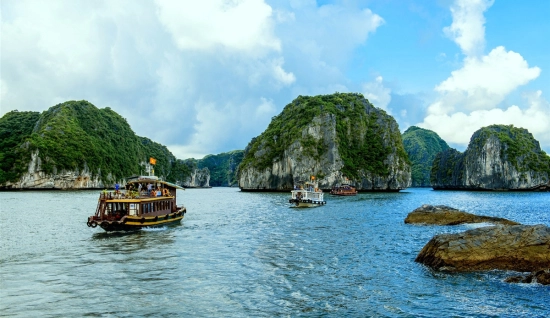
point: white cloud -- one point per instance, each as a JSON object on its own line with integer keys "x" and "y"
{"x": 377, "y": 94}
{"x": 217, "y": 126}
{"x": 207, "y": 75}
{"x": 471, "y": 97}
{"x": 458, "y": 127}
{"x": 468, "y": 29}
{"x": 207, "y": 25}
{"x": 482, "y": 83}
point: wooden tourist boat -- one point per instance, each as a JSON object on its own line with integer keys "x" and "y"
{"x": 344, "y": 190}
{"x": 131, "y": 209}
{"x": 307, "y": 195}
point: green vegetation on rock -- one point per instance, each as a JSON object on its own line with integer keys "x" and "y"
{"x": 422, "y": 145}
{"x": 77, "y": 136}
{"x": 15, "y": 128}
{"x": 498, "y": 157}
{"x": 222, "y": 167}
{"x": 521, "y": 148}
{"x": 362, "y": 136}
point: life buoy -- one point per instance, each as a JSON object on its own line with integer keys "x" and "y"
{"x": 167, "y": 216}
{"x": 104, "y": 224}
{"x": 93, "y": 224}
{"x": 156, "y": 218}
{"x": 142, "y": 220}
{"x": 165, "y": 192}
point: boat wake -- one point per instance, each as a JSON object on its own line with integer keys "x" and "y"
{"x": 155, "y": 229}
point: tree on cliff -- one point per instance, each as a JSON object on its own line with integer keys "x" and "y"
{"x": 422, "y": 145}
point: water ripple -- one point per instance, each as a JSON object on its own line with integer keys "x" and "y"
{"x": 248, "y": 254}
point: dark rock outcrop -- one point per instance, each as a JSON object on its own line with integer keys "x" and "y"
{"x": 338, "y": 138}
{"x": 542, "y": 277}
{"x": 444, "y": 215}
{"x": 522, "y": 248}
{"x": 422, "y": 145}
{"x": 498, "y": 157}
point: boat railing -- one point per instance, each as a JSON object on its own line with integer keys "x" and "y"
{"x": 127, "y": 194}
{"x": 305, "y": 194}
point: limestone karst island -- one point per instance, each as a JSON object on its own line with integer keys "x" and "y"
{"x": 337, "y": 138}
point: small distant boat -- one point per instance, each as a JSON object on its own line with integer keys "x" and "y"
{"x": 344, "y": 190}
{"x": 307, "y": 195}
{"x": 128, "y": 210}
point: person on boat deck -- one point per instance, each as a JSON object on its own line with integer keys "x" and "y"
{"x": 149, "y": 188}
{"x": 117, "y": 188}
{"x": 139, "y": 188}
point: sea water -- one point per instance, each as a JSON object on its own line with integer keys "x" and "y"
{"x": 241, "y": 254}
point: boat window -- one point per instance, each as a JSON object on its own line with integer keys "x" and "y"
{"x": 108, "y": 208}
{"x": 133, "y": 209}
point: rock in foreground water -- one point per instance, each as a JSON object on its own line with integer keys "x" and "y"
{"x": 444, "y": 215}
{"x": 523, "y": 248}
{"x": 542, "y": 277}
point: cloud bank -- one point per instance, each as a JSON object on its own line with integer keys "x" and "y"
{"x": 198, "y": 76}
{"x": 474, "y": 95}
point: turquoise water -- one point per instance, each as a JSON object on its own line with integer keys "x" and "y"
{"x": 239, "y": 254}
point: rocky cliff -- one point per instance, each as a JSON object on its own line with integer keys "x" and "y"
{"x": 222, "y": 167}
{"x": 498, "y": 157}
{"x": 335, "y": 138}
{"x": 199, "y": 178}
{"x": 422, "y": 145}
{"x": 75, "y": 145}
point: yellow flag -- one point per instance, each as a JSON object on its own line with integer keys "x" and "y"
{"x": 312, "y": 177}
{"x": 152, "y": 161}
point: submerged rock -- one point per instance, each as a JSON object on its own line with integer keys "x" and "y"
{"x": 523, "y": 248}
{"x": 444, "y": 215}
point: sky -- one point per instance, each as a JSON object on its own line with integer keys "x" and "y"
{"x": 205, "y": 77}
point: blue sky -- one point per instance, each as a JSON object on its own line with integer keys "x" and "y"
{"x": 204, "y": 77}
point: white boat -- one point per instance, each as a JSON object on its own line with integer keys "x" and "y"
{"x": 307, "y": 195}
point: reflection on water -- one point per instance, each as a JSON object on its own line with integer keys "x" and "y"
{"x": 248, "y": 254}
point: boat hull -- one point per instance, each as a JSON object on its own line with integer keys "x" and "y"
{"x": 305, "y": 203}
{"x": 134, "y": 223}
{"x": 344, "y": 194}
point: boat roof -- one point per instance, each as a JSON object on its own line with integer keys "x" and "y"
{"x": 152, "y": 179}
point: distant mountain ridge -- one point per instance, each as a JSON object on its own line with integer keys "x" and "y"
{"x": 422, "y": 145}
